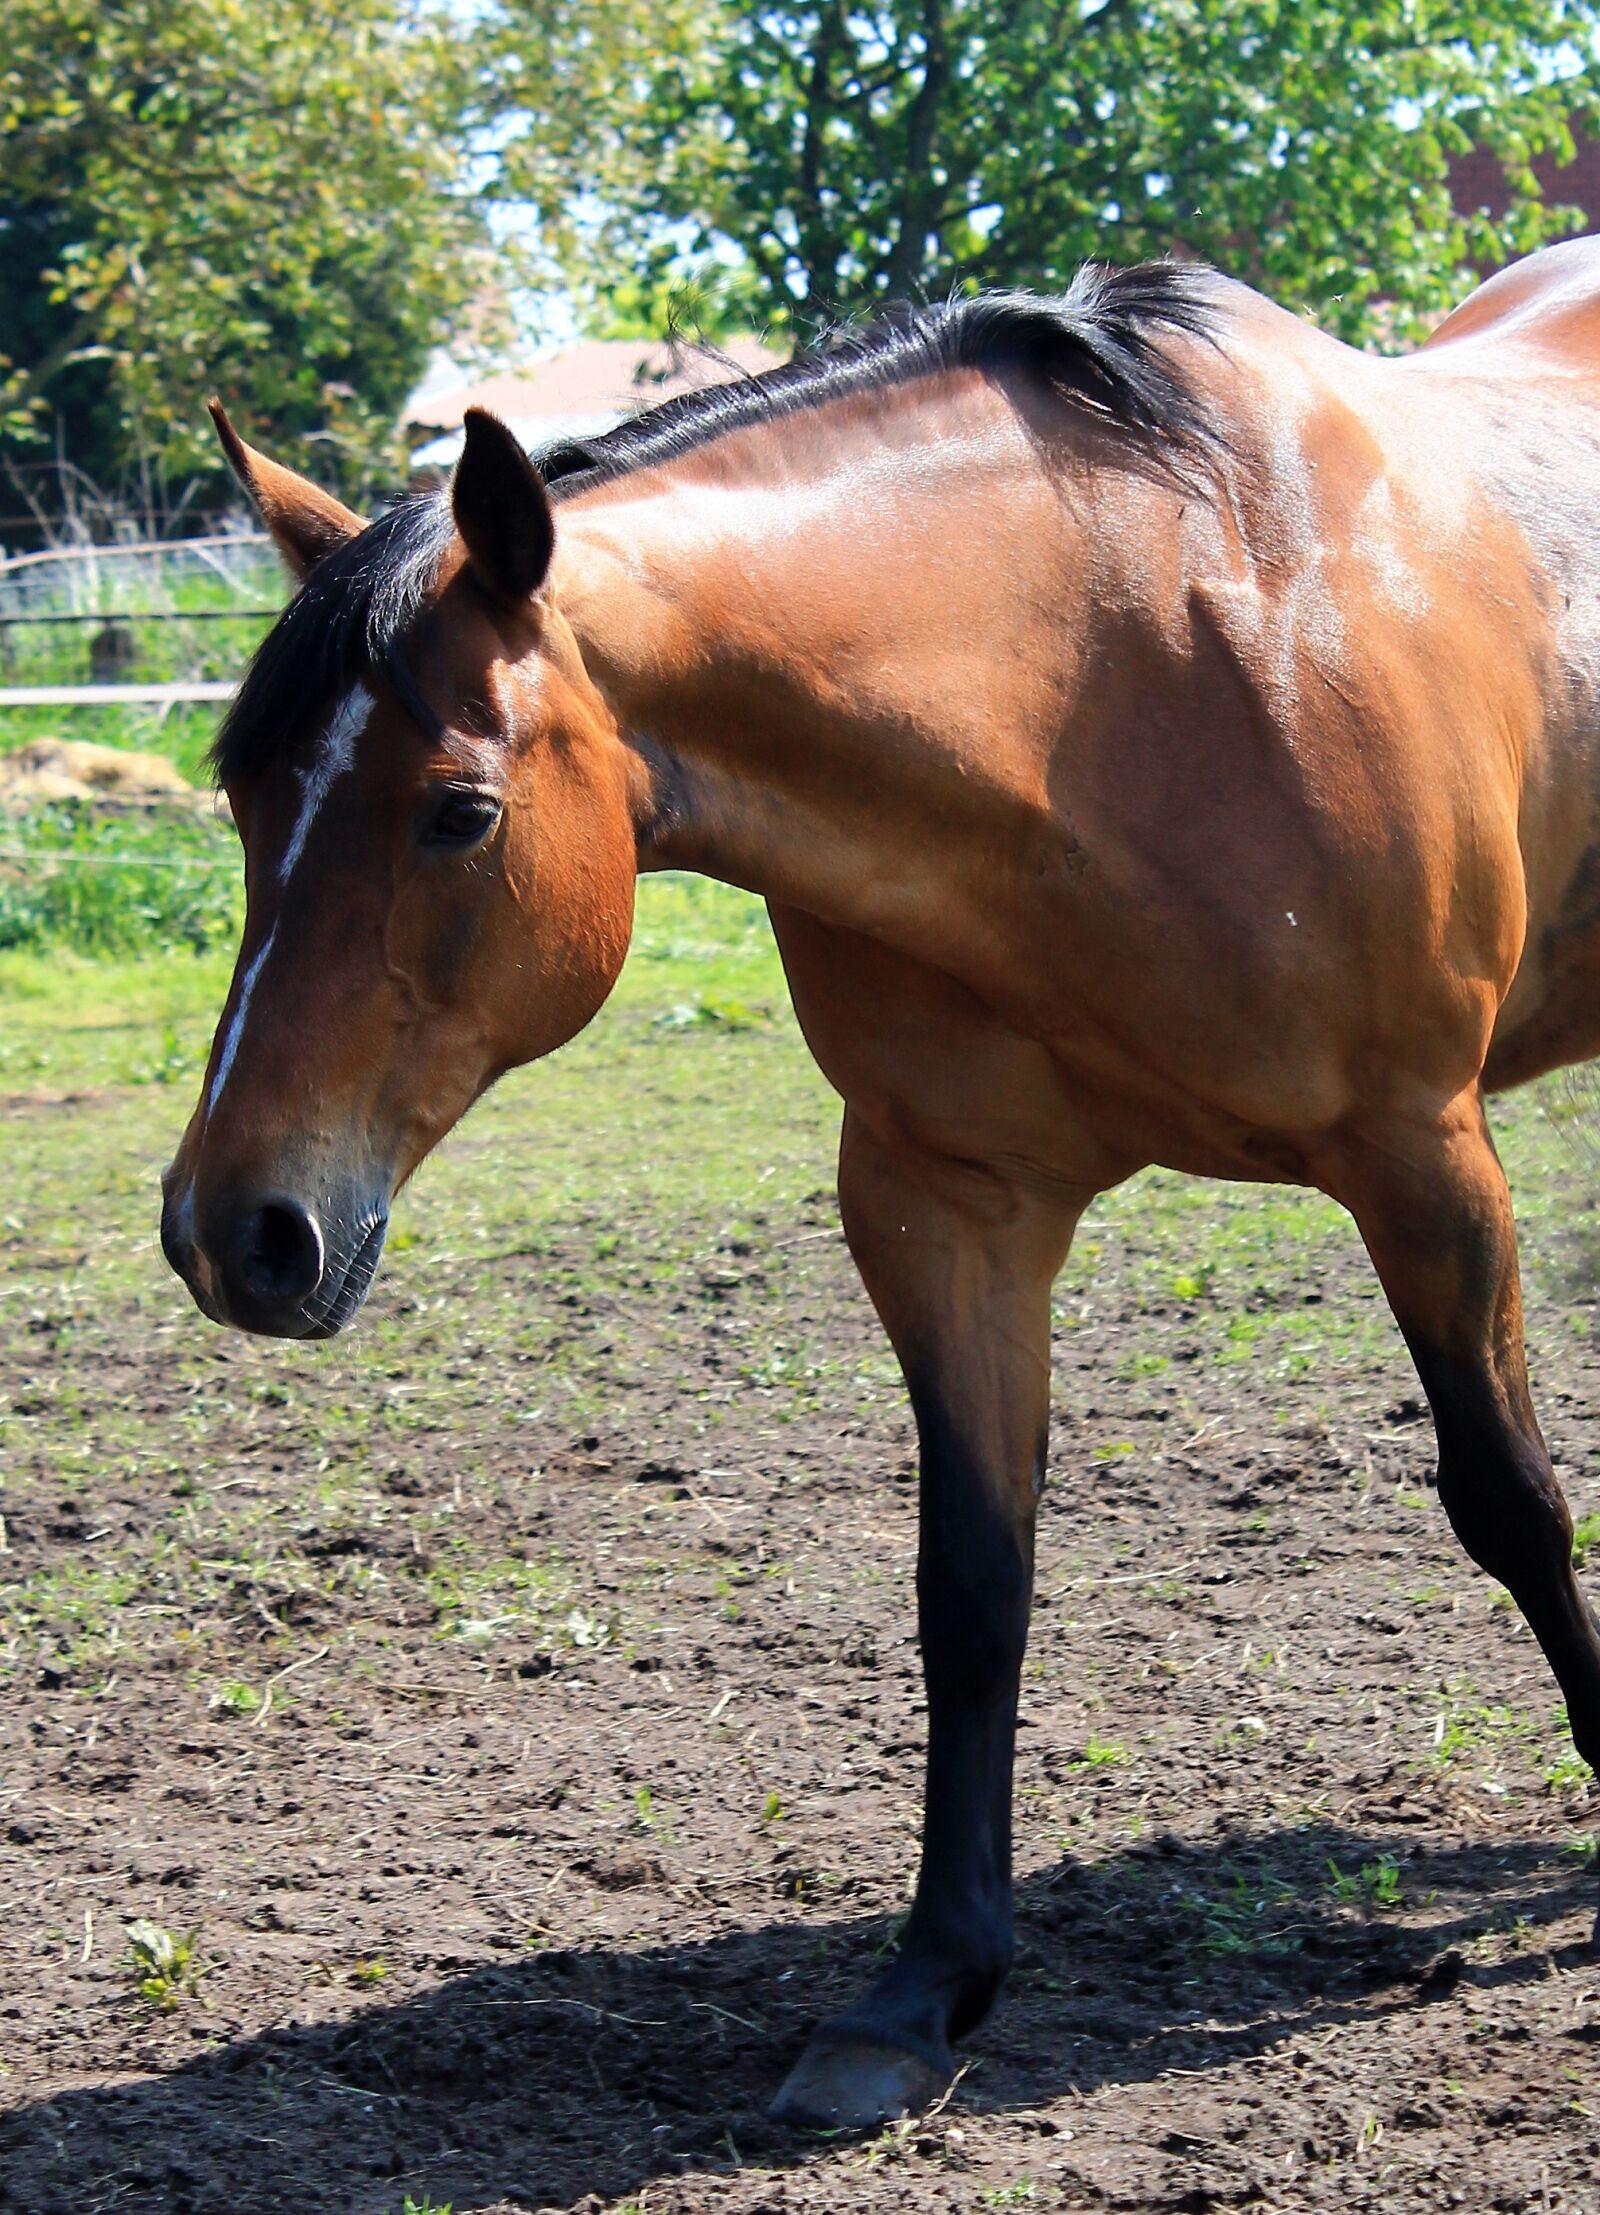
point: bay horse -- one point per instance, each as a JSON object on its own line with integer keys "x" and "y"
{"x": 1160, "y": 733}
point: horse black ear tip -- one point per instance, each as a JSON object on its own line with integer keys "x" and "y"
{"x": 483, "y": 425}
{"x": 491, "y": 433}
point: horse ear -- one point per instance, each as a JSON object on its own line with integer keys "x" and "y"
{"x": 502, "y": 511}
{"x": 304, "y": 522}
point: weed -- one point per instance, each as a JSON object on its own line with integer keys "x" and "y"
{"x": 1238, "y": 1921}
{"x": 584, "y": 1630}
{"x": 236, "y": 1698}
{"x": 123, "y": 884}
{"x": 1462, "y": 1730}
{"x": 1569, "y": 1772}
{"x": 1098, "y": 1753}
{"x": 889, "y": 1939}
{"x": 164, "y": 1966}
{"x": 1245, "y": 1732}
{"x": 1374, "y": 1884}
{"x": 1585, "y": 1536}
{"x": 1142, "y": 1365}
{"x": 653, "y": 1820}
{"x": 709, "y": 1012}
{"x": 175, "y": 1064}
{"x": 477, "y": 1630}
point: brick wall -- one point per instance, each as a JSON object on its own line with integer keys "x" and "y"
{"x": 1478, "y": 181}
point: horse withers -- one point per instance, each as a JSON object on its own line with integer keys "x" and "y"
{"x": 1161, "y": 734}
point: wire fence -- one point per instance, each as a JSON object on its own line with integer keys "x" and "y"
{"x": 145, "y": 624}
{"x": 133, "y": 646}
{"x": 172, "y": 549}
{"x": 140, "y": 615}
{"x": 46, "y": 857}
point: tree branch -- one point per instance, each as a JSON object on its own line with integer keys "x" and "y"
{"x": 30, "y": 383}
{"x": 920, "y": 193}
{"x": 816, "y": 239}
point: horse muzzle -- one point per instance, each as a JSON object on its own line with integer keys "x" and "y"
{"x": 271, "y": 1264}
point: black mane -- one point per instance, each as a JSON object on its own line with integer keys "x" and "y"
{"x": 1098, "y": 347}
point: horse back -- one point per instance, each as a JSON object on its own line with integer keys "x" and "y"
{"x": 1547, "y": 305}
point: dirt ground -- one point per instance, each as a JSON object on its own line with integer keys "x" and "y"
{"x": 524, "y": 1897}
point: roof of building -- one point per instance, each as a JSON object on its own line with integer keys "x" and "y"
{"x": 585, "y": 388}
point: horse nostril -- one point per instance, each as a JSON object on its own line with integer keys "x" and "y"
{"x": 278, "y": 1253}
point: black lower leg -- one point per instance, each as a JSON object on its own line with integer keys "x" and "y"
{"x": 959, "y": 1262}
{"x": 1433, "y": 1206}
{"x": 974, "y": 1582}
{"x": 891, "y": 2052}
{"x": 1506, "y": 1507}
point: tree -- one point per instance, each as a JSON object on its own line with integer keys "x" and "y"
{"x": 845, "y": 154}
{"x": 265, "y": 197}
{"x": 585, "y": 96}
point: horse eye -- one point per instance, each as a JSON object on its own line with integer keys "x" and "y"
{"x": 462, "y": 819}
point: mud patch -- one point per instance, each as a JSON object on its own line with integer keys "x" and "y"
{"x": 533, "y": 1790}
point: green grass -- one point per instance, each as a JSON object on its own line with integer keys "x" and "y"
{"x": 76, "y": 880}
{"x": 72, "y": 1018}
{"x": 1099, "y": 1753}
{"x": 628, "y": 1176}
{"x": 88, "y": 881}
{"x": 1249, "y": 1916}
{"x": 638, "y": 1155}
{"x": 1585, "y": 1537}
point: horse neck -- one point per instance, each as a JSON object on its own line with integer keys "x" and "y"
{"x": 844, "y": 671}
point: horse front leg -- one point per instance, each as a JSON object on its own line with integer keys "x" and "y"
{"x": 959, "y": 1260}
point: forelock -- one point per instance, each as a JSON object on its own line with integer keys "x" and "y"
{"x": 348, "y": 616}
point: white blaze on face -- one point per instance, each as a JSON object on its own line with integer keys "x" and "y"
{"x": 241, "y": 1008}
{"x": 335, "y": 755}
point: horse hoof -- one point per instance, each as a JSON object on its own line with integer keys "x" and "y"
{"x": 844, "y": 2083}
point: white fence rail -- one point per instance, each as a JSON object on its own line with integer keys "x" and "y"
{"x": 130, "y": 549}
{"x": 109, "y": 695}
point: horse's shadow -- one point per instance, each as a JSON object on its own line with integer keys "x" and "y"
{"x": 598, "y": 2070}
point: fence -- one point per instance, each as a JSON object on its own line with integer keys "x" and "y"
{"x": 155, "y": 623}
{"x": 110, "y": 695}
